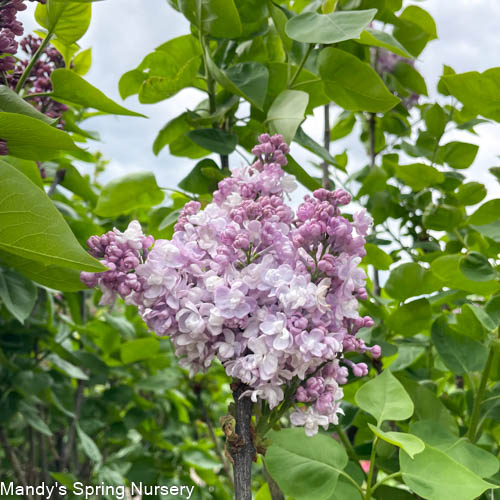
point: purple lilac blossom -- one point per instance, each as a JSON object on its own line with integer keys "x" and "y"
{"x": 39, "y": 79}
{"x": 10, "y": 27}
{"x": 271, "y": 294}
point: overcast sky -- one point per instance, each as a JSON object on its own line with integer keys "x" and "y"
{"x": 124, "y": 31}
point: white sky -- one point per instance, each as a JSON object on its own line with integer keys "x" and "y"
{"x": 124, "y": 31}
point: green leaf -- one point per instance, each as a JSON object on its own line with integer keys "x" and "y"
{"x": 343, "y": 127}
{"x": 377, "y": 38}
{"x": 172, "y": 67}
{"x": 10, "y": 102}
{"x": 377, "y": 257}
{"x": 419, "y": 175}
{"x": 82, "y": 62}
{"x": 421, "y": 18}
{"x": 127, "y": 193}
{"x": 301, "y": 175}
{"x": 311, "y": 145}
{"x": 493, "y": 309}
{"x": 435, "y": 120}
{"x": 310, "y": 27}
{"x": 286, "y": 113}
{"x": 479, "y": 92}
{"x": 490, "y": 230}
{"x": 68, "y": 368}
{"x": 473, "y": 457}
{"x": 88, "y": 445}
{"x": 487, "y": 213}
{"x": 353, "y": 84}
{"x": 410, "y": 78}
{"x": 442, "y": 217}
{"x": 130, "y": 83}
{"x": 474, "y": 321}
{"x": 174, "y": 135}
{"x": 68, "y": 20}
{"x": 408, "y": 442}
{"x": 33, "y": 228}
{"x": 27, "y": 167}
{"x": 434, "y": 475}
{"x": 457, "y": 154}
{"x": 65, "y": 478}
{"x": 460, "y": 353}
{"x": 33, "y": 139}
{"x": 471, "y": 193}
{"x": 447, "y": 269}
{"x": 305, "y": 467}
{"x": 216, "y": 140}
{"x": 17, "y": 294}
{"x": 76, "y": 183}
{"x": 139, "y": 349}
{"x": 409, "y": 280}
{"x": 72, "y": 88}
{"x": 49, "y": 275}
{"x": 201, "y": 180}
{"x": 218, "y": 18}
{"x": 31, "y": 416}
{"x": 384, "y": 398}
{"x": 279, "y": 19}
{"x": 248, "y": 80}
{"x": 410, "y": 318}
{"x": 476, "y": 267}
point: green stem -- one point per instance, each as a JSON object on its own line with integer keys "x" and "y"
{"x": 387, "y": 478}
{"x": 371, "y": 471}
{"x": 39, "y": 94}
{"x": 301, "y": 65}
{"x": 472, "y": 432}
{"x": 347, "y": 445}
{"x": 347, "y": 476}
{"x": 34, "y": 59}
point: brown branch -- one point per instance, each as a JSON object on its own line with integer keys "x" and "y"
{"x": 240, "y": 443}
{"x": 16, "y": 466}
{"x": 274, "y": 489}
{"x": 58, "y": 178}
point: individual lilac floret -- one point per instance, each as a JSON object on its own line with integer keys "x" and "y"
{"x": 271, "y": 294}
{"x": 4, "y": 148}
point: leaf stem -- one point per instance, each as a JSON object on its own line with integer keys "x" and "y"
{"x": 371, "y": 471}
{"x": 34, "y": 59}
{"x": 387, "y": 478}
{"x": 472, "y": 432}
{"x": 347, "y": 445}
{"x": 301, "y": 65}
{"x": 38, "y": 94}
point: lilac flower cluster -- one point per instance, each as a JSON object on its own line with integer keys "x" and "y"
{"x": 10, "y": 27}
{"x": 39, "y": 78}
{"x": 271, "y": 295}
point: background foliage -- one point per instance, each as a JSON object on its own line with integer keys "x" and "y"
{"x": 88, "y": 393}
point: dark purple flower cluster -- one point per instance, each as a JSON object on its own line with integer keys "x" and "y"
{"x": 10, "y": 27}
{"x": 39, "y": 78}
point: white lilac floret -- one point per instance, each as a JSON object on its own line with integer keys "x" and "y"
{"x": 271, "y": 294}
